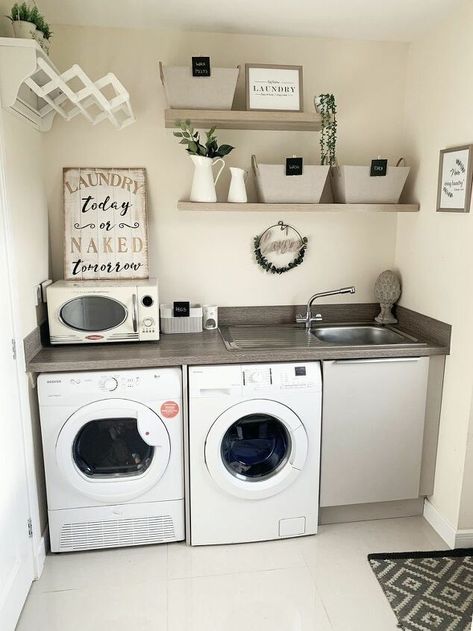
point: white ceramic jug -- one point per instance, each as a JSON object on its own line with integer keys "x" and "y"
{"x": 203, "y": 182}
{"x": 237, "y": 190}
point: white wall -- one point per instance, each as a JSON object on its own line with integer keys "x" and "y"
{"x": 434, "y": 250}
{"x": 206, "y": 256}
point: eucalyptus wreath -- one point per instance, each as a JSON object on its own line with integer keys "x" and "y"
{"x": 266, "y": 264}
{"x": 328, "y": 136}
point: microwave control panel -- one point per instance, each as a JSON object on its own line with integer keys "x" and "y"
{"x": 148, "y": 313}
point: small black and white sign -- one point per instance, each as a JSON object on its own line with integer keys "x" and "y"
{"x": 379, "y": 168}
{"x": 201, "y": 66}
{"x": 181, "y": 309}
{"x": 294, "y": 166}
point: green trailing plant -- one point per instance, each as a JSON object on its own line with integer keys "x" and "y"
{"x": 20, "y": 11}
{"x": 196, "y": 146}
{"x": 328, "y": 136}
{"x": 47, "y": 33}
{"x": 36, "y": 17}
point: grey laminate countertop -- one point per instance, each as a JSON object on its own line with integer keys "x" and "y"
{"x": 202, "y": 348}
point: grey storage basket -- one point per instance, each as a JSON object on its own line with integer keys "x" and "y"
{"x": 355, "y": 185}
{"x": 183, "y": 91}
{"x": 275, "y": 187}
{"x": 190, "y": 324}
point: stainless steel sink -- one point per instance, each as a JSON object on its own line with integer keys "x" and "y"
{"x": 258, "y": 337}
{"x": 291, "y": 336}
{"x": 364, "y": 335}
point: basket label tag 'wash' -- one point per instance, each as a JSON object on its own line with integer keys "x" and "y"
{"x": 294, "y": 166}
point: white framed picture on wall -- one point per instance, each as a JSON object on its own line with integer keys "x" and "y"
{"x": 455, "y": 179}
{"x": 271, "y": 87}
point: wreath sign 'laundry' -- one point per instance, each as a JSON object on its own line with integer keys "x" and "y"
{"x": 278, "y": 253}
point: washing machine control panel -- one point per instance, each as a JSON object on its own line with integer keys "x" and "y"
{"x": 281, "y": 376}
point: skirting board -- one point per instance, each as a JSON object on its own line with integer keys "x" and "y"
{"x": 40, "y": 554}
{"x": 453, "y": 537}
{"x": 366, "y": 512}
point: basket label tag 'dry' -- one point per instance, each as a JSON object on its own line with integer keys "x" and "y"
{"x": 378, "y": 167}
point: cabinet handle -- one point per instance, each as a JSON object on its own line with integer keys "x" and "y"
{"x": 376, "y": 361}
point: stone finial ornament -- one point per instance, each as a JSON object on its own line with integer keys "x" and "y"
{"x": 387, "y": 290}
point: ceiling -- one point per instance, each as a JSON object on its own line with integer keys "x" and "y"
{"x": 396, "y": 20}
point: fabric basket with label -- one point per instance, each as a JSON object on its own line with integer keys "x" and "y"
{"x": 355, "y": 185}
{"x": 275, "y": 187}
{"x": 188, "y": 324}
{"x": 184, "y": 91}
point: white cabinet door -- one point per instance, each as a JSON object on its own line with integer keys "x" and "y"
{"x": 16, "y": 553}
{"x": 372, "y": 430}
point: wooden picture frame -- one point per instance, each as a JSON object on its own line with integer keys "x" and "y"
{"x": 281, "y": 88}
{"x": 105, "y": 223}
{"x": 455, "y": 179}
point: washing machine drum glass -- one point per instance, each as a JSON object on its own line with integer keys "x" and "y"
{"x": 255, "y": 447}
{"x": 111, "y": 448}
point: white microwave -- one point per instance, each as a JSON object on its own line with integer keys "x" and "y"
{"x": 82, "y": 312}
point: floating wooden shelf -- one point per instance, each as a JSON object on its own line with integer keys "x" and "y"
{"x": 233, "y": 119}
{"x": 311, "y": 208}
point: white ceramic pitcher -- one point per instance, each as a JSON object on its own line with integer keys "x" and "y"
{"x": 237, "y": 190}
{"x": 203, "y": 182}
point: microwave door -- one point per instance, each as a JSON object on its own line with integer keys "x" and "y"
{"x": 94, "y": 314}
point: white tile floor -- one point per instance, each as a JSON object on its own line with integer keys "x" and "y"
{"x": 321, "y": 583}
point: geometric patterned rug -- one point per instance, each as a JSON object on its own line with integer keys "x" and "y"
{"x": 428, "y": 591}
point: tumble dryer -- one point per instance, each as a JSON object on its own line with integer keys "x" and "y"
{"x": 254, "y": 451}
{"x": 112, "y": 445}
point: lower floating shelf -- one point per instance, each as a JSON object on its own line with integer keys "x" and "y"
{"x": 311, "y": 208}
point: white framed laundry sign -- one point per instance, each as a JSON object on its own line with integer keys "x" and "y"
{"x": 105, "y": 223}
{"x": 455, "y": 179}
{"x": 271, "y": 87}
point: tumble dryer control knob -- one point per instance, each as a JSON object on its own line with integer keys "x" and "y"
{"x": 111, "y": 384}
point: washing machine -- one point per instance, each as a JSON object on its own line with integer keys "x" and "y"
{"x": 254, "y": 451}
{"x": 113, "y": 457}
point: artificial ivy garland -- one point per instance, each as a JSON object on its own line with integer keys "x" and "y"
{"x": 266, "y": 263}
{"x": 328, "y": 137}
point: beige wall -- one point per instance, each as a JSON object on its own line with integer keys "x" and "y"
{"x": 5, "y": 24}
{"x": 208, "y": 257}
{"x": 434, "y": 250}
{"x": 28, "y": 212}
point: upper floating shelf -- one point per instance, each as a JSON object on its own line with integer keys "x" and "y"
{"x": 31, "y": 86}
{"x": 242, "y": 119}
{"x": 311, "y": 208}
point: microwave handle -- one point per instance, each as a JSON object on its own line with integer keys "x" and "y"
{"x": 135, "y": 314}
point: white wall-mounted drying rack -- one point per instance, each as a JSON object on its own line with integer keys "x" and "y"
{"x": 31, "y": 86}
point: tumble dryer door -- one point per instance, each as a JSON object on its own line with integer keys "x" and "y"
{"x": 256, "y": 448}
{"x": 113, "y": 450}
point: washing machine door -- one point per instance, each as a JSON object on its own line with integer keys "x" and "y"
{"x": 256, "y": 449}
{"x": 113, "y": 450}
